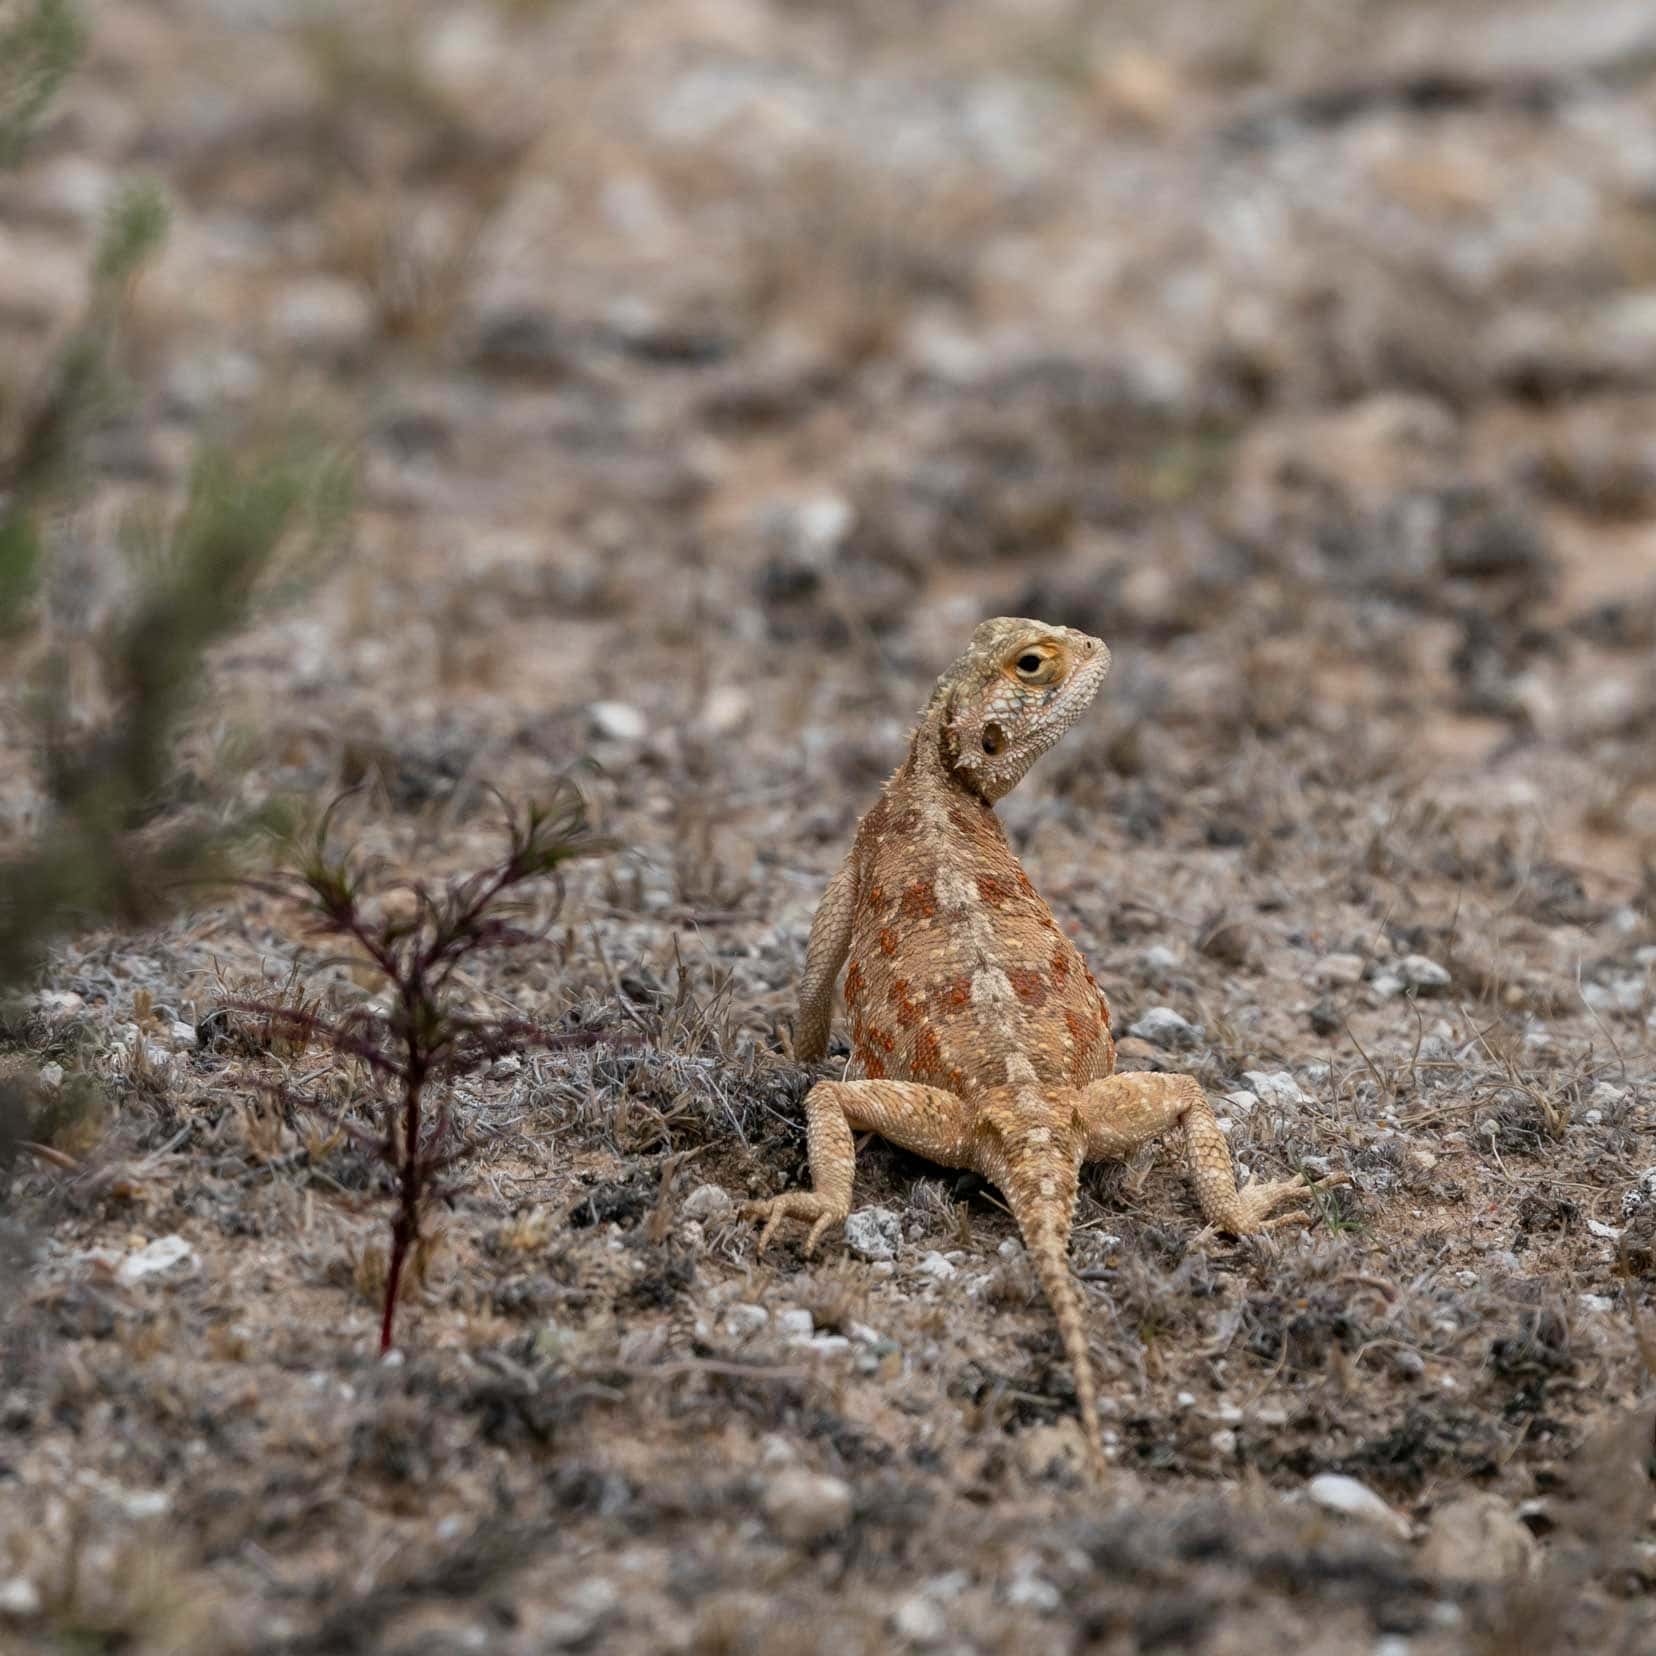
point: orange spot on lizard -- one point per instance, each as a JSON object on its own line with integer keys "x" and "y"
{"x": 905, "y": 1006}
{"x": 928, "y": 1053}
{"x": 919, "y": 901}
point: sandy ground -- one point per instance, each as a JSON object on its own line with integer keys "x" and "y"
{"x": 710, "y": 368}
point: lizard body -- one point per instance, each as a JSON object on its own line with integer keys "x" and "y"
{"x": 982, "y": 1039}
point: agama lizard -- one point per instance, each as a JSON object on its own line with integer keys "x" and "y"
{"x": 982, "y": 1039}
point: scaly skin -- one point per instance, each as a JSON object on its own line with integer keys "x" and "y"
{"x": 981, "y": 1037}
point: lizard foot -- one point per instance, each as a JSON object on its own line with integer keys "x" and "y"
{"x": 794, "y": 1204}
{"x": 1250, "y": 1207}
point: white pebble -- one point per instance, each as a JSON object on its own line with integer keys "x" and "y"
{"x": 1162, "y": 1026}
{"x": 1335, "y": 1492}
{"x": 742, "y": 1320}
{"x": 873, "y": 1233}
{"x": 19, "y": 1597}
{"x": 1422, "y": 974}
{"x": 708, "y": 1201}
{"x": 1275, "y": 1087}
{"x": 617, "y": 721}
{"x": 919, "y": 1621}
{"x": 163, "y": 1254}
{"x": 806, "y": 1506}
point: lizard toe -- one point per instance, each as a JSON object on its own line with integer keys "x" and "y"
{"x": 794, "y": 1204}
{"x": 1250, "y": 1209}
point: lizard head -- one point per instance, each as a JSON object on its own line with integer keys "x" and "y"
{"x": 1017, "y": 689}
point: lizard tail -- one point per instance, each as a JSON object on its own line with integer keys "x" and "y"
{"x": 1049, "y": 1252}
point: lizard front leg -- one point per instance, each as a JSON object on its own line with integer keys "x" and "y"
{"x": 927, "y": 1120}
{"x": 825, "y": 953}
{"x": 1123, "y": 1112}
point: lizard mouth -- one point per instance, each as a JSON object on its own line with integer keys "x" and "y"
{"x": 994, "y": 739}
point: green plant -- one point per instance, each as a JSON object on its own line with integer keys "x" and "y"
{"x": 37, "y": 51}
{"x": 414, "y": 935}
{"x": 119, "y": 841}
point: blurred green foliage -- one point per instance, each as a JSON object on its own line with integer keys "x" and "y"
{"x": 37, "y": 51}
{"x": 116, "y": 844}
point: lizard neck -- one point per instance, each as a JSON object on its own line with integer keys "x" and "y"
{"x": 927, "y": 769}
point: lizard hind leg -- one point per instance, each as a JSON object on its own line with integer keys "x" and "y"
{"x": 1124, "y": 1111}
{"x": 927, "y": 1120}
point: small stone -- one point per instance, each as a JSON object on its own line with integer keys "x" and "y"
{"x": 1387, "y": 985}
{"x": 829, "y": 1345}
{"x": 807, "y": 1506}
{"x": 936, "y": 1266}
{"x": 141, "y": 1503}
{"x": 163, "y": 1254}
{"x": 182, "y": 1036}
{"x": 1642, "y": 1190}
{"x": 1422, "y": 974}
{"x": 1477, "y": 1538}
{"x": 59, "y": 1003}
{"x": 795, "y": 1323}
{"x": 1159, "y": 960}
{"x": 201, "y": 380}
{"x": 708, "y": 1201}
{"x": 51, "y": 1076}
{"x": 1223, "y": 1442}
{"x": 1596, "y": 1302}
{"x": 74, "y": 188}
{"x": 323, "y": 316}
{"x": 1335, "y": 1492}
{"x": 1276, "y": 1088}
{"x": 1242, "y": 1103}
{"x": 1030, "y": 1590}
{"x": 920, "y": 1621}
{"x": 873, "y": 1233}
{"x": 742, "y": 1320}
{"x": 1164, "y": 1027}
{"x": 617, "y": 721}
{"x": 580, "y": 1616}
{"x": 19, "y": 1598}
{"x": 726, "y": 710}
{"x": 1423, "y": 1160}
{"x": 1337, "y": 970}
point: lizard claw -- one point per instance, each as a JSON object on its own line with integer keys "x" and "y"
{"x": 1253, "y": 1203}
{"x": 793, "y": 1204}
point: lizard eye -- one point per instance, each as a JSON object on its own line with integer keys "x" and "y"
{"x": 1039, "y": 664}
